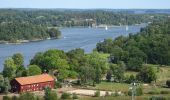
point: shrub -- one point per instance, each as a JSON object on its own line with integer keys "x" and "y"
{"x": 154, "y": 92}
{"x": 107, "y": 93}
{"x": 164, "y": 92}
{"x": 14, "y": 97}
{"x": 58, "y": 84}
{"x": 6, "y": 98}
{"x": 75, "y": 96}
{"x": 97, "y": 94}
{"x": 168, "y": 83}
{"x": 116, "y": 94}
{"x": 157, "y": 98}
{"x": 139, "y": 91}
{"x": 65, "y": 96}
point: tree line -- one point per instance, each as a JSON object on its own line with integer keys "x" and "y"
{"x": 150, "y": 45}
{"x": 33, "y": 24}
{"x": 15, "y": 32}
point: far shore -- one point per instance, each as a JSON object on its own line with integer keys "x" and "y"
{"x": 24, "y": 41}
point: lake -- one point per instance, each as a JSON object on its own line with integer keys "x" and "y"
{"x": 78, "y": 37}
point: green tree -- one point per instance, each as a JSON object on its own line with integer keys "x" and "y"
{"x": 27, "y": 96}
{"x": 54, "y": 33}
{"x": 21, "y": 72}
{"x": 49, "y": 94}
{"x": 147, "y": 74}
{"x": 34, "y": 70}
{"x": 9, "y": 68}
{"x": 86, "y": 74}
{"x": 118, "y": 71}
{"x": 7, "y": 85}
{"x": 1, "y": 84}
{"x": 18, "y": 59}
{"x": 109, "y": 75}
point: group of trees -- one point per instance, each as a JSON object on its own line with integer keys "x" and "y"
{"x": 150, "y": 45}
{"x": 14, "y": 67}
{"x": 17, "y": 31}
{"x": 72, "y": 64}
{"x": 33, "y": 24}
{"x": 49, "y": 95}
{"x": 64, "y": 17}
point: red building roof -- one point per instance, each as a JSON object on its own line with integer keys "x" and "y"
{"x": 34, "y": 79}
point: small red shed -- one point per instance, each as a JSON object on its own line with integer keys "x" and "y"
{"x": 32, "y": 83}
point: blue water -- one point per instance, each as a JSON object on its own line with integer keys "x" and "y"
{"x": 85, "y": 38}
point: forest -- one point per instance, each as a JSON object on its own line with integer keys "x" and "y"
{"x": 151, "y": 45}
{"x": 34, "y": 24}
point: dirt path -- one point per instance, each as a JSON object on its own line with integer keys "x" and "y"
{"x": 89, "y": 92}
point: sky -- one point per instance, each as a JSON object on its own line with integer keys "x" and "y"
{"x": 87, "y": 4}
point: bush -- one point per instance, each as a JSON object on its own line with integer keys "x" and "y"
{"x": 154, "y": 92}
{"x": 65, "y": 96}
{"x": 58, "y": 84}
{"x": 75, "y": 96}
{"x": 164, "y": 92}
{"x": 139, "y": 91}
{"x": 157, "y": 98}
{"x": 97, "y": 94}
{"x": 168, "y": 83}
{"x": 6, "y": 98}
{"x": 14, "y": 97}
{"x": 107, "y": 94}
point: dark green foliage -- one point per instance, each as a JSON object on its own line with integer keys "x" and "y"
{"x": 164, "y": 92}
{"x": 154, "y": 92}
{"x": 109, "y": 75}
{"x": 75, "y": 18}
{"x": 21, "y": 72}
{"x": 22, "y": 31}
{"x": 18, "y": 59}
{"x": 158, "y": 98}
{"x": 58, "y": 84}
{"x": 97, "y": 94}
{"x": 49, "y": 94}
{"x": 34, "y": 70}
{"x": 75, "y": 96}
{"x": 27, "y": 96}
{"x": 9, "y": 68}
{"x": 54, "y": 33}
{"x": 6, "y": 98}
{"x": 147, "y": 74}
{"x": 150, "y": 45}
{"x": 138, "y": 91}
{"x": 118, "y": 71}
{"x": 130, "y": 79}
{"x": 4, "y": 85}
{"x": 14, "y": 98}
{"x": 65, "y": 96}
{"x": 168, "y": 83}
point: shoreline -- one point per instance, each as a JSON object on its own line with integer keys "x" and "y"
{"x": 25, "y": 41}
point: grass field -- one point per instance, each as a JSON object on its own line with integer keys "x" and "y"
{"x": 163, "y": 74}
{"x": 112, "y": 86}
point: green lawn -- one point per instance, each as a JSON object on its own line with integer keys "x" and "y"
{"x": 111, "y": 86}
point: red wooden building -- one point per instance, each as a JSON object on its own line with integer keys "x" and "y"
{"x": 32, "y": 83}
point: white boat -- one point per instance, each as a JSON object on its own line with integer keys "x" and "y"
{"x": 48, "y": 38}
{"x": 106, "y": 28}
{"x": 127, "y": 28}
